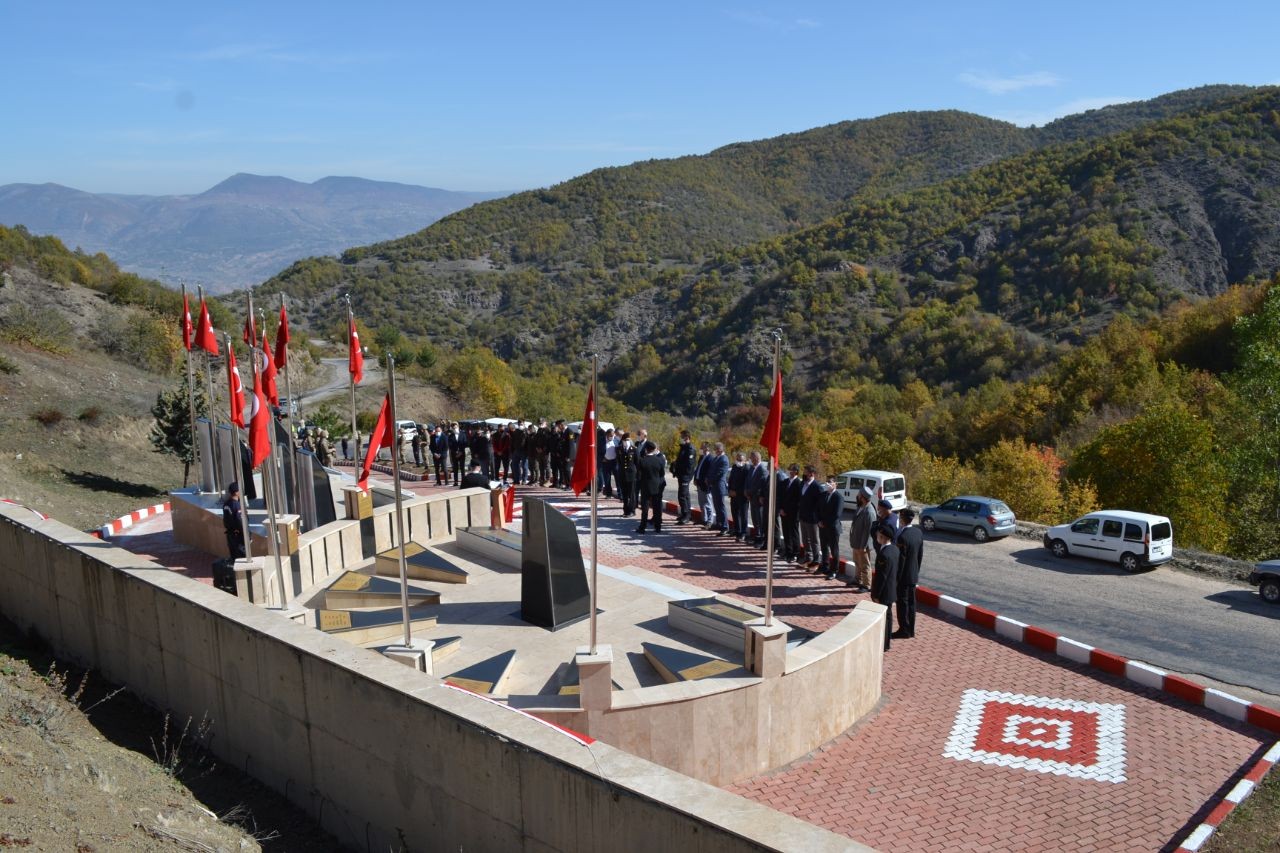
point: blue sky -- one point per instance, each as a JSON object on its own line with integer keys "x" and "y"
{"x": 174, "y": 97}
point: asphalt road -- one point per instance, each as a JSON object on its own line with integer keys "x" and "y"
{"x": 1171, "y": 619}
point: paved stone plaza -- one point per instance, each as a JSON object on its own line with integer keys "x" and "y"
{"x": 978, "y": 743}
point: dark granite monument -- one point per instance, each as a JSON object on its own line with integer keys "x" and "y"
{"x": 553, "y": 580}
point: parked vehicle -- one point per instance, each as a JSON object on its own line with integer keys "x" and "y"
{"x": 1266, "y": 575}
{"x": 982, "y": 518}
{"x": 1133, "y": 539}
{"x": 888, "y": 485}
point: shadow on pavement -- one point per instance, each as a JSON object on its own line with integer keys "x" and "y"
{"x": 1246, "y": 600}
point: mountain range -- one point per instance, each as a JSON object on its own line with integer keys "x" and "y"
{"x": 232, "y": 235}
{"x": 935, "y": 245}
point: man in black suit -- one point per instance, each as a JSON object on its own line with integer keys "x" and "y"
{"x": 682, "y": 470}
{"x": 884, "y": 583}
{"x": 738, "y": 502}
{"x": 718, "y": 486}
{"x": 830, "y": 517}
{"x": 438, "y": 447}
{"x": 810, "y": 495}
{"x": 652, "y": 475}
{"x": 911, "y": 544}
{"x": 788, "y": 512}
{"x": 457, "y": 441}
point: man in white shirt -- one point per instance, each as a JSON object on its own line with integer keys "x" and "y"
{"x": 610, "y": 467}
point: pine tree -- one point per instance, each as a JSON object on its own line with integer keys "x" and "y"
{"x": 171, "y": 431}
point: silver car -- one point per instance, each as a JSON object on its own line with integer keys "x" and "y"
{"x": 982, "y": 518}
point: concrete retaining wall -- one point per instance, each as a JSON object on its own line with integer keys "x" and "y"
{"x": 383, "y": 757}
{"x": 731, "y": 729}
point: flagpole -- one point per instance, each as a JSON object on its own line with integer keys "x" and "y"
{"x": 773, "y": 497}
{"x": 395, "y": 476}
{"x": 235, "y": 451}
{"x": 288, "y": 380}
{"x": 595, "y": 495}
{"x": 355, "y": 432}
{"x": 288, "y": 413}
{"x": 268, "y": 482}
{"x": 213, "y": 407}
{"x": 191, "y": 386}
{"x": 277, "y": 466}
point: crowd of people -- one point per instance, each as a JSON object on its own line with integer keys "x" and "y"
{"x": 732, "y": 496}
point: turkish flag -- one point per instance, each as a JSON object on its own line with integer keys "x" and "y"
{"x": 383, "y": 433}
{"x": 282, "y": 341}
{"x": 773, "y": 426}
{"x": 205, "y": 338}
{"x": 355, "y": 355}
{"x": 250, "y": 332}
{"x": 584, "y": 464}
{"x": 259, "y": 424}
{"x": 187, "y": 328}
{"x": 268, "y": 371}
{"x": 236, "y": 387}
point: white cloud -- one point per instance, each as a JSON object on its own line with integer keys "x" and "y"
{"x": 997, "y": 85}
{"x": 1039, "y": 118}
{"x": 762, "y": 21}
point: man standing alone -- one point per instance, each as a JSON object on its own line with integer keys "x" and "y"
{"x": 911, "y": 544}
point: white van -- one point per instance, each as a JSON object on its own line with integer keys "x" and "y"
{"x": 888, "y": 485}
{"x": 1133, "y": 539}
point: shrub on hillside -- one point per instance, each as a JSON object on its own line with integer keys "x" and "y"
{"x": 8, "y": 365}
{"x": 90, "y": 415}
{"x": 43, "y": 329}
{"x": 48, "y": 416}
{"x": 142, "y": 338}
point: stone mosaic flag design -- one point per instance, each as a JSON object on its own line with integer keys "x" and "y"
{"x": 1084, "y": 740}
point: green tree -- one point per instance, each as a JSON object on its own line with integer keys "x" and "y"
{"x": 1022, "y": 475}
{"x": 1163, "y": 461}
{"x": 1251, "y": 430}
{"x": 171, "y": 430}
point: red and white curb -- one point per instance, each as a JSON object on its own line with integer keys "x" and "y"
{"x": 1139, "y": 673}
{"x": 124, "y": 522}
{"x": 1198, "y": 836}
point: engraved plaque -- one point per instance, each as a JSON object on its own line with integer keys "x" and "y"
{"x": 334, "y": 620}
{"x": 706, "y": 670}
{"x": 350, "y": 582}
{"x": 726, "y": 611}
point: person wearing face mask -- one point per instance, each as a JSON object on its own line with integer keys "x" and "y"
{"x": 682, "y": 470}
{"x": 626, "y": 474}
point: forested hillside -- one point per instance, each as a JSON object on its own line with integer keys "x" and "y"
{"x": 645, "y": 259}
{"x": 1056, "y": 326}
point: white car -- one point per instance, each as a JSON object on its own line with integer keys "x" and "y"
{"x": 1133, "y": 539}
{"x": 885, "y": 485}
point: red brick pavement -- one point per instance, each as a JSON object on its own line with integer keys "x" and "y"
{"x": 886, "y": 782}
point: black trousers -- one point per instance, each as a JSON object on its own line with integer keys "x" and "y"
{"x": 438, "y": 462}
{"x": 907, "y": 609}
{"x": 651, "y": 505}
{"x": 888, "y": 623}
{"x": 791, "y": 535}
{"x": 739, "y": 509}
{"x": 235, "y": 544}
{"x": 459, "y": 467}
{"x": 682, "y": 497}
{"x": 829, "y": 539}
{"x": 627, "y": 491}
